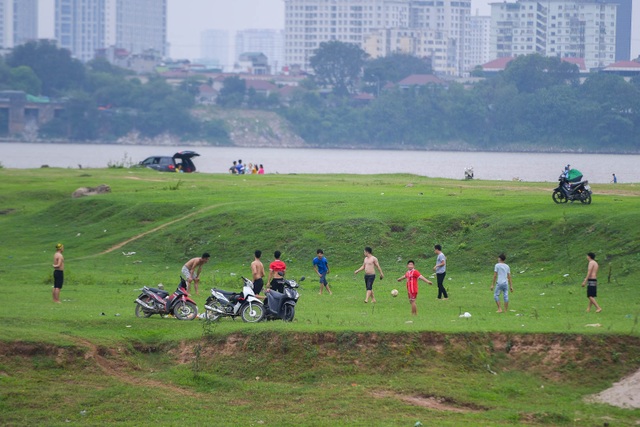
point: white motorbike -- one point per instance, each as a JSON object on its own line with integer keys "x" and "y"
{"x": 244, "y": 304}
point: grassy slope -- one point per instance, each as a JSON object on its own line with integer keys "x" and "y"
{"x": 400, "y": 216}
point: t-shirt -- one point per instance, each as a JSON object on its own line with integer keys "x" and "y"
{"x": 503, "y": 271}
{"x": 439, "y": 260}
{"x": 412, "y": 281}
{"x": 278, "y": 266}
{"x": 322, "y": 264}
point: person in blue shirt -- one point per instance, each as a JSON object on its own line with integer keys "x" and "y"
{"x": 321, "y": 266}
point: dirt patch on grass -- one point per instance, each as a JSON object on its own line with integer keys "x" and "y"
{"x": 432, "y": 402}
{"x": 623, "y": 394}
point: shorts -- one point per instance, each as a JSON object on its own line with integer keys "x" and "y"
{"x": 58, "y": 279}
{"x": 501, "y": 287}
{"x": 277, "y": 285}
{"x": 187, "y": 274}
{"x": 592, "y": 288}
{"x": 323, "y": 279}
{"x": 412, "y": 296}
{"x": 257, "y": 286}
{"x": 368, "y": 281}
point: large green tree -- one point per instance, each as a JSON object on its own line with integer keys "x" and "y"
{"x": 391, "y": 69}
{"x": 338, "y": 66}
{"x": 532, "y": 72}
{"x": 55, "y": 67}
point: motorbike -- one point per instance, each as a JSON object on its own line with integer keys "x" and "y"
{"x": 233, "y": 304}
{"x": 282, "y": 305}
{"x": 158, "y": 301}
{"x": 571, "y": 191}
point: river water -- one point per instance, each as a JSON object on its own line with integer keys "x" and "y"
{"x": 540, "y": 167}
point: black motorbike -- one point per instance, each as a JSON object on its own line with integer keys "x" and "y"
{"x": 158, "y": 301}
{"x": 282, "y": 305}
{"x": 572, "y": 191}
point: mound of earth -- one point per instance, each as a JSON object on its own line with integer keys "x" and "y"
{"x": 623, "y": 394}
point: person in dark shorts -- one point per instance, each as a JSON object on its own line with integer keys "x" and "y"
{"x": 591, "y": 281}
{"x": 257, "y": 271}
{"x": 369, "y": 266}
{"x": 276, "y": 273}
{"x": 321, "y": 266}
{"x": 58, "y": 272}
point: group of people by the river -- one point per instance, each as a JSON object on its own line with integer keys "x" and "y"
{"x": 501, "y": 283}
{"x": 239, "y": 168}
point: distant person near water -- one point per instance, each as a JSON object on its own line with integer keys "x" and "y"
{"x": 58, "y": 272}
{"x": 189, "y": 270}
{"x": 591, "y": 281}
{"x": 615, "y": 179}
{"x": 233, "y": 169}
{"x": 441, "y": 271}
{"x": 502, "y": 278}
{"x": 369, "y": 266}
{"x": 412, "y": 276}
{"x": 261, "y": 170}
{"x": 321, "y": 266}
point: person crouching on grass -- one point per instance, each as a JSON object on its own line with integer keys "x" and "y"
{"x": 412, "y": 276}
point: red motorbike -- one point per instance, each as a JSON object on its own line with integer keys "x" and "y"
{"x": 158, "y": 301}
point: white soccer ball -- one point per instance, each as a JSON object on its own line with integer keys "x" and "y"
{"x": 394, "y": 293}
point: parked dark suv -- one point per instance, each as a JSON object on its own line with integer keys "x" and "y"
{"x": 180, "y": 161}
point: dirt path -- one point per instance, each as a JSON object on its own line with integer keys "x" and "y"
{"x": 117, "y": 368}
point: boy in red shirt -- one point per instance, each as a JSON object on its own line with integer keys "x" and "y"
{"x": 412, "y": 276}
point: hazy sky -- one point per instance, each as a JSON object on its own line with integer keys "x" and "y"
{"x": 188, "y": 18}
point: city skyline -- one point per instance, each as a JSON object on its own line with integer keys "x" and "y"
{"x": 187, "y": 19}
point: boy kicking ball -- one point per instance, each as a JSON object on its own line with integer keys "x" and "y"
{"x": 412, "y": 276}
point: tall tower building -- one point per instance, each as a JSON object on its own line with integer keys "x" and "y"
{"x": 215, "y": 48}
{"x": 84, "y": 26}
{"x": 18, "y": 22}
{"x": 563, "y": 28}
{"x": 478, "y": 42}
{"x": 268, "y": 42}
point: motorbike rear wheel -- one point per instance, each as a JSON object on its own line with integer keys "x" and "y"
{"x": 185, "y": 310}
{"x": 213, "y": 315}
{"x": 559, "y": 197}
{"x": 289, "y": 312}
{"x": 252, "y": 313}
{"x": 586, "y": 199}
{"x": 141, "y": 311}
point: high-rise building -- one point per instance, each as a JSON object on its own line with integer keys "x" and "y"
{"x": 215, "y": 48}
{"x": 478, "y": 42}
{"x": 363, "y": 22}
{"x": 84, "y": 26}
{"x": 563, "y": 28}
{"x": 268, "y": 42}
{"x": 623, "y": 29}
{"x": 18, "y": 22}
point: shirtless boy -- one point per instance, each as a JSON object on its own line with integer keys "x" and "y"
{"x": 369, "y": 266}
{"x": 58, "y": 272}
{"x": 592, "y": 282}
{"x": 189, "y": 270}
{"x": 257, "y": 271}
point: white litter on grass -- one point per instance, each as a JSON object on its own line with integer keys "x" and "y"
{"x": 471, "y": 283}
{"x": 78, "y": 235}
{"x": 232, "y": 274}
{"x": 522, "y": 271}
{"x": 465, "y": 314}
{"x": 449, "y": 278}
{"x": 565, "y": 275}
{"x": 593, "y": 325}
{"x": 382, "y": 194}
{"x": 128, "y": 326}
{"x": 409, "y": 321}
{"x": 128, "y": 253}
{"x": 542, "y": 294}
{"x": 104, "y": 231}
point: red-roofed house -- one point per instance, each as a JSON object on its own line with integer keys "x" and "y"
{"x": 623, "y": 68}
{"x": 260, "y": 86}
{"x": 419, "y": 80}
{"x": 497, "y": 65}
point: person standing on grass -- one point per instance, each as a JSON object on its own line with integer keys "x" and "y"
{"x": 257, "y": 272}
{"x": 369, "y": 266}
{"x": 58, "y": 272}
{"x": 502, "y": 275}
{"x": 276, "y": 273}
{"x": 441, "y": 271}
{"x": 189, "y": 270}
{"x": 412, "y": 276}
{"x": 321, "y": 266}
{"x": 592, "y": 282}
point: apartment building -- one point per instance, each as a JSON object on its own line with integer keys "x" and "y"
{"x": 266, "y": 41}
{"x": 215, "y": 48}
{"x": 18, "y": 22}
{"x": 478, "y": 42}
{"x": 562, "y": 28}
{"x": 85, "y": 26}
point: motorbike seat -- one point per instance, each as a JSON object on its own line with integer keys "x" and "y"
{"x": 225, "y": 293}
{"x": 160, "y": 292}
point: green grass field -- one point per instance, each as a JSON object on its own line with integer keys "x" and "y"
{"x": 90, "y": 361}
